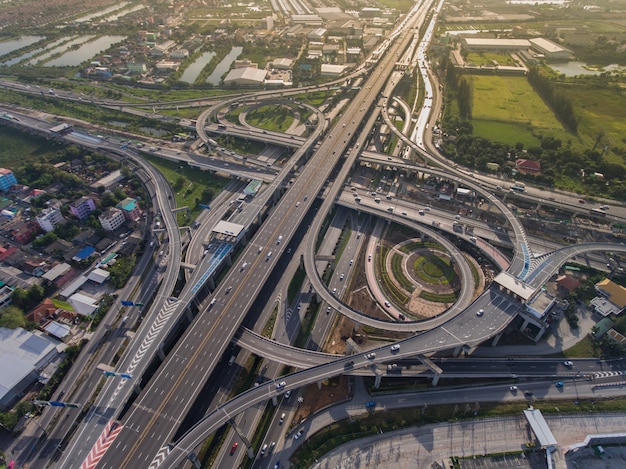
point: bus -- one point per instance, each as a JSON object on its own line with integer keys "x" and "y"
{"x": 597, "y": 212}
{"x": 518, "y": 189}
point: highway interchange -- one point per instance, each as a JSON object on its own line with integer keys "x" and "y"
{"x": 153, "y": 419}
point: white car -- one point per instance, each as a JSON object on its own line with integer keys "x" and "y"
{"x": 395, "y": 347}
{"x": 513, "y": 389}
{"x": 287, "y": 394}
{"x": 480, "y": 312}
{"x": 298, "y": 435}
{"x": 281, "y": 385}
{"x": 568, "y": 363}
{"x": 371, "y": 355}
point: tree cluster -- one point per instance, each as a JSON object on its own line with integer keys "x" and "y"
{"x": 555, "y": 98}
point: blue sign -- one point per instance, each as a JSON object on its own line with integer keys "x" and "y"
{"x": 126, "y": 376}
{"x": 127, "y": 303}
{"x": 204, "y": 206}
{"x": 56, "y": 404}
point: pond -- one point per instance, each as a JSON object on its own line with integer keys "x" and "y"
{"x": 224, "y": 65}
{"x": 191, "y": 73}
{"x": 571, "y": 69}
{"x": 64, "y": 44}
{"x": 85, "y": 52}
{"x": 7, "y": 47}
{"x": 99, "y": 13}
{"x": 28, "y": 55}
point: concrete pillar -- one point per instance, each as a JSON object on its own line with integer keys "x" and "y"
{"x": 189, "y": 314}
{"x": 229, "y": 260}
{"x": 436, "y": 380}
{"x": 162, "y": 351}
{"x": 274, "y": 401}
{"x": 136, "y": 387}
{"x": 540, "y": 334}
{"x": 194, "y": 460}
{"x": 457, "y": 351}
{"x": 319, "y": 385}
{"x": 496, "y": 339}
{"x": 525, "y": 325}
{"x": 211, "y": 283}
{"x": 379, "y": 378}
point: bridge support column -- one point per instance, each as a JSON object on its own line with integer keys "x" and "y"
{"x": 189, "y": 314}
{"x": 229, "y": 260}
{"x": 319, "y": 385}
{"x": 496, "y": 339}
{"x": 137, "y": 388}
{"x": 436, "y": 379}
{"x": 194, "y": 460}
{"x": 525, "y": 325}
{"x": 161, "y": 351}
{"x": 379, "y": 378}
{"x": 211, "y": 283}
{"x": 457, "y": 351}
{"x": 274, "y": 401}
{"x": 540, "y": 334}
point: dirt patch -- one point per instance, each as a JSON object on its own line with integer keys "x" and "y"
{"x": 315, "y": 398}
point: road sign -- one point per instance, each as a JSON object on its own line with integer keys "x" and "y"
{"x": 205, "y": 206}
{"x": 139, "y": 304}
{"x": 110, "y": 374}
{"x": 73, "y": 405}
{"x": 127, "y": 303}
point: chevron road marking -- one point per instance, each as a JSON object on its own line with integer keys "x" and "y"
{"x": 105, "y": 440}
{"x": 160, "y": 457}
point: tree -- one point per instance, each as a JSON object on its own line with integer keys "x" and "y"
{"x": 12, "y": 317}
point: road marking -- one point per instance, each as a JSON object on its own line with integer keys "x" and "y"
{"x": 105, "y": 440}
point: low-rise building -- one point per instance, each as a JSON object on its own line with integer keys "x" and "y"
{"x": 49, "y": 218}
{"x": 7, "y": 179}
{"x": 130, "y": 209}
{"x": 111, "y": 219}
{"x": 611, "y": 299}
{"x": 82, "y": 207}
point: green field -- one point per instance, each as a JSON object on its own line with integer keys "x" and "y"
{"x": 488, "y": 58}
{"x": 507, "y": 110}
{"x": 190, "y": 185}
{"x": 19, "y": 148}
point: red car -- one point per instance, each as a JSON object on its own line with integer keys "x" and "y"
{"x": 233, "y": 448}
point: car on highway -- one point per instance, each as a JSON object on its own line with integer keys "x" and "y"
{"x": 277, "y": 465}
{"x": 271, "y": 448}
{"x": 281, "y": 385}
{"x": 387, "y": 304}
{"x": 228, "y": 290}
{"x": 528, "y": 394}
{"x": 513, "y": 389}
{"x": 287, "y": 394}
{"x": 328, "y": 310}
{"x": 233, "y": 448}
{"x": 263, "y": 450}
{"x": 341, "y": 277}
{"x": 282, "y": 419}
{"x": 371, "y": 355}
{"x": 559, "y": 384}
{"x": 568, "y": 363}
{"x": 334, "y": 291}
{"x": 480, "y": 312}
{"x": 298, "y": 435}
{"x": 395, "y": 347}
{"x": 581, "y": 201}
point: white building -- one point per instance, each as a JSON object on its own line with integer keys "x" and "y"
{"x": 22, "y": 357}
{"x": 49, "y": 218}
{"x": 245, "y": 76}
{"x": 112, "y": 218}
{"x": 550, "y": 50}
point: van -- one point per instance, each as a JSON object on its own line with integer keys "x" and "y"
{"x": 421, "y": 212}
{"x": 231, "y": 360}
{"x": 269, "y": 255}
{"x": 358, "y": 199}
{"x": 377, "y": 200}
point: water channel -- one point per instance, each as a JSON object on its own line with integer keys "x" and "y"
{"x": 224, "y": 66}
